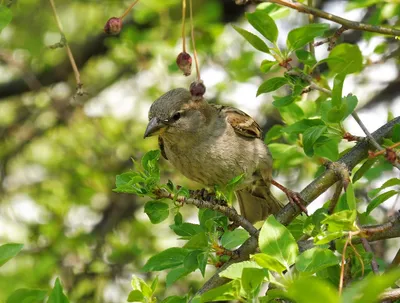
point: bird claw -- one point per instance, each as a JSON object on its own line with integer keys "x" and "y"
{"x": 296, "y": 199}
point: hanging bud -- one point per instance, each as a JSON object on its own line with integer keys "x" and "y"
{"x": 197, "y": 90}
{"x": 113, "y": 26}
{"x": 184, "y": 62}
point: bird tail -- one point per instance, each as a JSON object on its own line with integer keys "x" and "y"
{"x": 257, "y": 202}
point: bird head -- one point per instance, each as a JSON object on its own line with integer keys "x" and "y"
{"x": 174, "y": 113}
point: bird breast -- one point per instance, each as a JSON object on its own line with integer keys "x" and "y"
{"x": 216, "y": 158}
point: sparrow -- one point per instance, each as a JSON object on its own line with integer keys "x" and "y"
{"x": 211, "y": 144}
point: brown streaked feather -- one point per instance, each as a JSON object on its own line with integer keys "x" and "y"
{"x": 241, "y": 122}
{"x": 161, "y": 147}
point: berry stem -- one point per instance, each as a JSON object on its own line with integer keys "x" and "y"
{"x": 128, "y": 9}
{"x": 69, "y": 52}
{"x": 183, "y": 25}
{"x": 193, "y": 42}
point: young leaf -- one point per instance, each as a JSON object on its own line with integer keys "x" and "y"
{"x": 283, "y": 101}
{"x": 301, "y": 36}
{"x": 175, "y": 299}
{"x": 266, "y": 65}
{"x": 268, "y": 262}
{"x": 169, "y": 258}
{"x": 340, "y": 221}
{"x": 135, "y": 296}
{"x": 234, "y": 271}
{"x": 321, "y": 291}
{"x": 389, "y": 183}
{"x": 255, "y": 41}
{"x": 232, "y": 239}
{"x": 202, "y": 259}
{"x": 271, "y": 85}
{"x": 57, "y": 294}
{"x": 316, "y": 259}
{"x": 264, "y": 24}
{"x": 396, "y": 133}
{"x": 306, "y": 57}
{"x": 379, "y": 200}
{"x": 276, "y": 240}
{"x": 349, "y": 59}
{"x": 8, "y": 251}
{"x": 302, "y": 125}
{"x": 24, "y": 295}
{"x": 198, "y": 241}
{"x": 226, "y": 292}
{"x": 186, "y": 230}
{"x": 311, "y": 136}
{"x": 274, "y": 133}
{"x": 157, "y": 211}
{"x": 251, "y": 280}
{"x": 337, "y": 90}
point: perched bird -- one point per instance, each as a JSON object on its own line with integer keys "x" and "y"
{"x": 212, "y": 144}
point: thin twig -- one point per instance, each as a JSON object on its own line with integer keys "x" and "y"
{"x": 231, "y": 213}
{"x": 368, "y": 248}
{"x": 302, "y": 8}
{"x": 69, "y": 52}
{"x": 396, "y": 261}
{"x": 128, "y": 9}
{"x": 193, "y": 41}
{"x": 183, "y": 25}
{"x": 311, "y": 47}
{"x": 335, "y": 197}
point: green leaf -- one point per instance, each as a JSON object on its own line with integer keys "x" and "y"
{"x": 232, "y": 239}
{"x": 157, "y": 211}
{"x": 176, "y": 274}
{"x": 283, "y": 101}
{"x": 135, "y": 296}
{"x": 169, "y": 258}
{"x": 363, "y": 169}
{"x": 337, "y": 90}
{"x": 198, "y": 241}
{"x": 57, "y": 294}
{"x": 341, "y": 221}
{"x": 186, "y": 230}
{"x": 234, "y": 271}
{"x": 329, "y": 148}
{"x": 9, "y": 251}
{"x": 326, "y": 237}
{"x": 5, "y": 16}
{"x": 174, "y": 299}
{"x": 264, "y": 24}
{"x": 379, "y": 200}
{"x": 306, "y": 57}
{"x": 154, "y": 284}
{"x": 266, "y": 65}
{"x": 301, "y": 36}
{"x": 150, "y": 163}
{"x": 349, "y": 59}
{"x": 271, "y": 85}
{"x": 274, "y": 133}
{"x": 389, "y": 183}
{"x": 251, "y": 280}
{"x": 276, "y": 240}
{"x": 312, "y": 290}
{"x": 311, "y": 136}
{"x": 202, "y": 259}
{"x": 255, "y": 41}
{"x": 369, "y": 289}
{"x": 226, "y": 292}
{"x": 268, "y": 262}
{"x": 24, "y": 295}
{"x": 302, "y": 125}
{"x": 190, "y": 263}
{"x": 396, "y": 133}
{"x": 350, "y": 197}
{"x": 316, "y": 259}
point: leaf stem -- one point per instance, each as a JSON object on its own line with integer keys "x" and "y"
{"x": 128, "y": 9}
{"x": 193, "y": 41}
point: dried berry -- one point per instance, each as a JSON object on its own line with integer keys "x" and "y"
{"x": 197, "y": 89}
{"x": 113, "y": 26}
{"x": 184, "y": 62}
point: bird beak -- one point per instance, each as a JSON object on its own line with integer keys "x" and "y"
{"x": 154, "y": 127}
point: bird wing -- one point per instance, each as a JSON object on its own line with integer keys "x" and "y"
{"x": 161, "y": 147}
{"x": 241, "y": 122}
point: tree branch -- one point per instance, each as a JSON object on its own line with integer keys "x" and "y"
{"x": 305, "y": 9}
{"x": 309, "y": 194}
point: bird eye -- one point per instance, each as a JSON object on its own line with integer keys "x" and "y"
{"x": 176, "y": 116}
